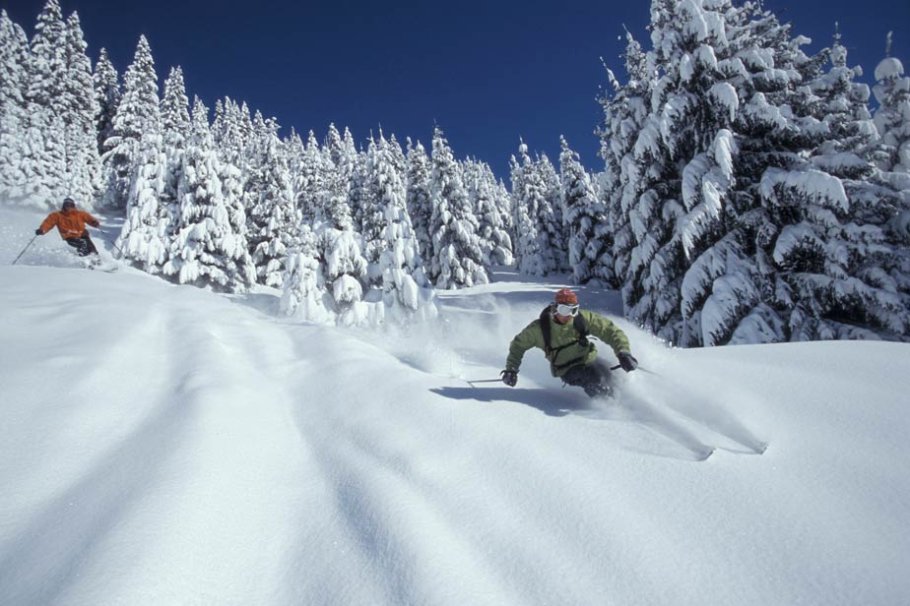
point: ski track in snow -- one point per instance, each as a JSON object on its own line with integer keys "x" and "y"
{"x": 165, "y": 445}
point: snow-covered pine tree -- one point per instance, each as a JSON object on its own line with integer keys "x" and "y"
{"x": 137, "y": 111}
{"x": 892, "y": 116}
{"x": 486, "y": 197}
{"x": 13, "y": 118}
{"x": 583, "y": 213}
{"x": 419, "y": 206}
{"x": 360, "y": 195}
{"x": 145, "y": 237}
{"x": 502, "y": 235}
{"x": 272, "y": 215}
{"x": 457, "y": 259}
{"x": 368, "y": 192}
{"x": 106, "y": 82}
{"x": 343, "y": 153}
{"x": 314, "y": 169}
{"x": 304, "y": 295}
{"x": 695, "y": 276}
{"x": 527, "y": 192}
{"x": 153, "y": 209}
{"x": 175, "y": 114}
{"x": 83, "y": 162}
{"x": 406, "y": 292}
{"x": 768, "y": 235}
{"x": 857, "y": 297}
{"x": 176, "y": 126}
{"x": 228, "y": 132}
{"x": 550, "y": 226}
{"x": 206, "y": 250}
{"x": 892, "y": 156}
{"x": 295, "y": 151}
{"x": 625, "y": 114}
{"x": 399, "y": 160}
{"x": 345, "y": 269}
{"x": 44, "y": 153}
{"x": 230, "y": 143}
{"x": 692, "y": 105}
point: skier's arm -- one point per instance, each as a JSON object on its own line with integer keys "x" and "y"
{"x": 49, "y": 222}
{"x": 90, "y": 219}
{"x": 530, "y": 337}
{"x": 606, "y": 331}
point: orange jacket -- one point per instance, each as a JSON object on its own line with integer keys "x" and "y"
{"x": 70, "y": 223}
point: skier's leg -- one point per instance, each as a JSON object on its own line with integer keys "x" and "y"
{"x": 92, "y": 250}
{"x": 83, "y": 245}
{"x": 78, "y": 244}
{"x": 594, "y": 378}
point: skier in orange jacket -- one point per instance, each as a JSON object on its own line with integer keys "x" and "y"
{"x": 70, "y": 222}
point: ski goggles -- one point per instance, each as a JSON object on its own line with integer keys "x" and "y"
{"x": 566, "y": 310}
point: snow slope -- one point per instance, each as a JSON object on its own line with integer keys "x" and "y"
{"x": 161, "y": 444}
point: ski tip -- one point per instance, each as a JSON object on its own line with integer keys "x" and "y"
{"x": 704, "y": 455}
{"x": 761, "y": 447}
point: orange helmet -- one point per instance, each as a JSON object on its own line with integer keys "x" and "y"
{"x": 566, "y": 296}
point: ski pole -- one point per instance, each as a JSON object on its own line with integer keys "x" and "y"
{"x": 25, "y": 249}
{"x": 642, "y": 369}
{"x": 113, "y": 242}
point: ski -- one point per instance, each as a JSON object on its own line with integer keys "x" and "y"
{"x": 704, "y": 455}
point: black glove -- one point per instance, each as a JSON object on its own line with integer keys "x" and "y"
{"x": 38, "y": 232}
{"x": 509, "y": 377}
{"x": 627, "y": 361}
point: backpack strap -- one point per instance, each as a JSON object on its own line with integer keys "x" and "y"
{"x": 581, "y": 327}
{"x": 545, "y": 328}
{"x": 578, "y": 323}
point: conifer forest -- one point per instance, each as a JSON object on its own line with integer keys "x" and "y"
{"x": 747, "y": 191}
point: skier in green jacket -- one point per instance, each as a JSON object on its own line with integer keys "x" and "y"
{"x": 561, "y": 332}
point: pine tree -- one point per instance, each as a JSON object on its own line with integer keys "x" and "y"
{"x": 137, "y": 112}
{"x": 858, "y": 295}
{"x": 378, "y": 170}
{"x": 550, "y": 228}
{"x": 106, "y": 82}
{"x": 13, "y": 117}
{"x": 207, "y": 250}
{"x": 271, "y": 211}
{"x": 312, "y": 192}
{"x": 527, "y": 192}
{"x": 419, "y": 206}
{"x": 583, "y": 212}
{"x": 176, "y": 126}
{"x": 486, "y": 198}
{"x": 82, "y": 159}
{"x": 406, "y": 292}
{"x": 625, "y": 114}
{"x": 48, "y": 73}
{"x": 44, "y": 154}
{"x": 296, "y": 152}
{"x": 891, "y": 154}
{"x": 457, "y": 259}
{"x": 892, "y": 117}
{"x": 145, "y": 237}
{"x": 304, "y": 296}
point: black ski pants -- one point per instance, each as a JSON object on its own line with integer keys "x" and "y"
{"x": 594, "y": 378}
{"x": 83, "y": 245}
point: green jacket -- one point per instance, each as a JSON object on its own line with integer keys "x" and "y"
{"x": 565, "y": 334}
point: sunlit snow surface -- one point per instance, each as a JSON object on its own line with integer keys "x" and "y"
{"x": 161, "y": 444}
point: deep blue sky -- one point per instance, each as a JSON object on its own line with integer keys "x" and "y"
{"x": 487, "y": 72}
